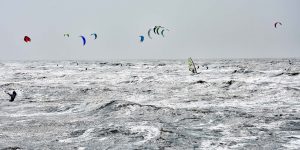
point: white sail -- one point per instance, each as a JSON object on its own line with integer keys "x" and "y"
{"x": 191, "y": 64}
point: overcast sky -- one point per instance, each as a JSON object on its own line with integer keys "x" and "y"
{"x": 198, "y": 28}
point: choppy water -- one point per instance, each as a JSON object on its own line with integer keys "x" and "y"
{"x": 153, "y": 104}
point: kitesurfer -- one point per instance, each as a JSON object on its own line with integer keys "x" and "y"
{"x": 12, "y": 96}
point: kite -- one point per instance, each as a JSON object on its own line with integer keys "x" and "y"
{"x": 149, "y": 31}
{"x": 95, "y": 35}
{"x": 142, "y": 38}
{"x": 156, "y": 30}
{"x": 162, "y": 32}
{"x": 27, "y": 39}
{"x": 83, "y": 39}
{"x": 277, "y": 23}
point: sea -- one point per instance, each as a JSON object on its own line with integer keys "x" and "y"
{"x": 150, "y": 104}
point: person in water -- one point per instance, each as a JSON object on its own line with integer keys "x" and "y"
{"x": 12, "y": 96}
{"x": 194, "y": 70}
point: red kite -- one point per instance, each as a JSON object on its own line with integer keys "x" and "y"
{"x": 27, "y": 39}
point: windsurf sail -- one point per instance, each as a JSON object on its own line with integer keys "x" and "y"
{"x": 192, "y": 67}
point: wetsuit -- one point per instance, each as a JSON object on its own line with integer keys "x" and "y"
{"x": 12, "y": 96}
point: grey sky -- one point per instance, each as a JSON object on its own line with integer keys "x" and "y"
{"x": 198, "y": 28}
